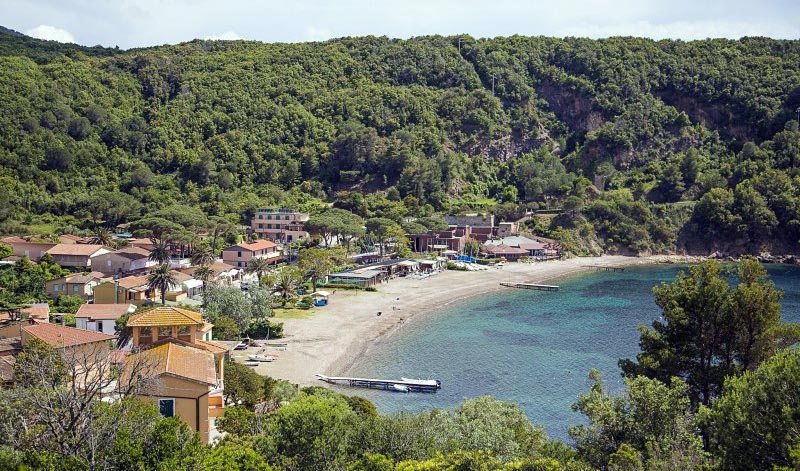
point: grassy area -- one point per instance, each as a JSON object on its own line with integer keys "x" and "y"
{"x": 292, "y": 313}
{"x": 40, "y": 228}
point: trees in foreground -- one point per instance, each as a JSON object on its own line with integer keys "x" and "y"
{"x": 715, "y": 325}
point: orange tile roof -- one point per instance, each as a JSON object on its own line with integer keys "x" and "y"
{"x": 85, "y": 250}
{"x": 104, "y": 311}
{"x": 130, "y": 282}
{"x": 213, "y": 347}
{"x": 38, "y": 311}
{"x": 61, "y": 336}
{"x": 165, "y": 315}
{"x": 179, "y": 359}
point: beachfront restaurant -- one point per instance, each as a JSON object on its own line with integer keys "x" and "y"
{"x": 363, "y": 278}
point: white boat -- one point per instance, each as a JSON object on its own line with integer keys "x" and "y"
{"x": 260, "y": 358}
{"x": 400, "y": 388}
{"x": 251, "y": 363}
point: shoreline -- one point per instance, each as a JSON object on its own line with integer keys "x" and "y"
{"x": 334, "y": 337}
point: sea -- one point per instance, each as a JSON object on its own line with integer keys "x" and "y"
{"x": 534, "y": 348}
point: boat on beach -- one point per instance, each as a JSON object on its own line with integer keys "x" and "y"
{"x": 260, "y": 358}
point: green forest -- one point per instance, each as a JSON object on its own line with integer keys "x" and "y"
{"x": 635, "y": 145}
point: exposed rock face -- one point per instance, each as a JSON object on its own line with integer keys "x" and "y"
{"x": 570, "y": 106}
{"x": 712, "y": 115}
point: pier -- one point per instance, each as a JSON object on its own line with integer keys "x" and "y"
{"x": 535, "y": 286}
{"x": 413, "y": 385}
{"x": 606, "y": 268}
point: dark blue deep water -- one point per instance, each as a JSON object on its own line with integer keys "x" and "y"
{"x": 533, "y": 348}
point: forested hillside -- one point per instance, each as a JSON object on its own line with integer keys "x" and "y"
{"x": 646, "y": 145}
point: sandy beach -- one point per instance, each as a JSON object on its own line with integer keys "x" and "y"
{"x": 334, "y": 336}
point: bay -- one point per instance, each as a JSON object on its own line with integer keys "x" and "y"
{"x": 530, "y": 347}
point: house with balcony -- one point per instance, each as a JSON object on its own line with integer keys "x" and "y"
{"x": 240, "y": 254}
{"x": 175, "y": 346}
{"x": 279, "y": 225}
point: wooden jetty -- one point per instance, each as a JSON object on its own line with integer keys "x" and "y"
{"x": 606, "y": 268}
{"x": 536, "y": 286}
{"x": 412, "y": 385}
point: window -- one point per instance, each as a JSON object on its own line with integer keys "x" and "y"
{"x": 286, "y": 218}
{"x": 184, "y": 330}
{"x": 239, "y": 254}
{"x": 166, "y": 407}
{"x": 260, "y": 216}
{"x": 64, "y": 287}
{"x": 269, "y": 226}
{"x": 145, "y": 331}
{"x": 99, "y": 326}
{"x": 164, "y": 331}
{"x": 269, "y": 217}
{"x": 260, "y": 226}
{"x": 55, "y": 287}
{"x": 74, "y": 288}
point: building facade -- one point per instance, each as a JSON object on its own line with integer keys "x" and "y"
{"x": 279, "y": 225}
{"x": 240, "y": 254}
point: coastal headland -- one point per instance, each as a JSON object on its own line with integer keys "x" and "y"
{"x": 333, "y": 337}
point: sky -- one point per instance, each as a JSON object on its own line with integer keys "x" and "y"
{"x": 141, "y": 23}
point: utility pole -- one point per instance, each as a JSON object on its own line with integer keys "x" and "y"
{"x": 798, "y": 114}
{"x": 492, "y": 84}
{"x": 459, "y": 50}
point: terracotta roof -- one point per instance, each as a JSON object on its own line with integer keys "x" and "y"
{"x": 180, "y": 277}
{"x": 61, "y": 336}
{"x": 104, "y": 311}
{"x": 213, "y": 347}
{"x": 133, "y": 253}
{"x": 533, "y": 246}
{"x": 181, "y": 360}
{"x": 85, "y": 250}
{"x": 258, "y": 245}
{"x": 70, "y": 239}
{"x": 81, "y": 278}
{"x": 38, "y": 310}
{"x": 130, "y": 282}
{"x": 9, "y": 346}
{"x": 165, "y": 315}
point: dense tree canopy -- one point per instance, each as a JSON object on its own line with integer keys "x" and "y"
{"x": 187, "y": 137}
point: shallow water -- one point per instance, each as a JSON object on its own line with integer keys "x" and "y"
{"x": 531, "y": 347}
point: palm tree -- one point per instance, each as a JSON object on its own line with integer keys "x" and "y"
{"x": 102, "y": 236}
{"x": 286, "y": 281}
{"x": 160, "y": 252}
{"x": 204, "y": 273}
{"x": 259, "y": 266}
{"x": 202, "y": 256}
{"x": 163, "y": 279}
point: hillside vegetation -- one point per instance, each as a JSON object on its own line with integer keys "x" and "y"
{"x": 646, "y": 145}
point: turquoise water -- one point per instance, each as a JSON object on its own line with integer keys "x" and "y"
{"x": 530, "y": 347}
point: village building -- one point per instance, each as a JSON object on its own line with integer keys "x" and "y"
{"x": 80, "y": 284}
{"x": 69, "y": 338}
{"x": 76, "y": 255}
{"x": 101, "y": 317}
{"x": 127, "y": 290}
{"x": 32, "y": 248}
{"x": 279, "y": 225}
{"x": 176, "y": 344}
{"x": 240, "y": 254}
{"x": 452, "y": 239}
{"x": 125, "y": 260}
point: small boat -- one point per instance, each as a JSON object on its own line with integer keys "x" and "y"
{"x": 400, "y": 388}
{"x": 251, "y": 363}
{"x": 258, "y": 358}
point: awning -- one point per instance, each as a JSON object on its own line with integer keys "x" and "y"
{"x": 408, "y": 263}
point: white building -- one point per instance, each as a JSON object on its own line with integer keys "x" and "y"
{"x": 101, "y": 317}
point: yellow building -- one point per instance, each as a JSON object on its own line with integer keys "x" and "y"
{"x": 175, "y": 344}
{"x": 129, "y": 290}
